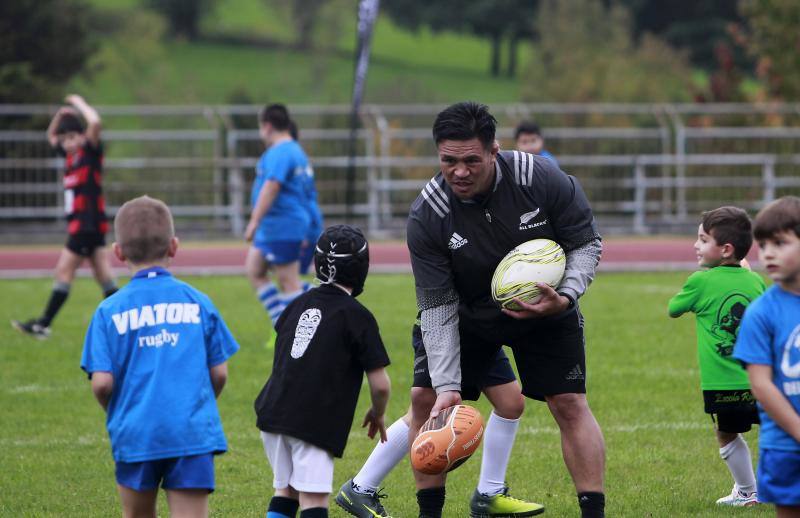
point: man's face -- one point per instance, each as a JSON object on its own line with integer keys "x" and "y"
{"x": 71, "y": 141}
{"x": 780, "y": 255}
{"x": 530, "y": 143}
{"x": 467, "y": 166}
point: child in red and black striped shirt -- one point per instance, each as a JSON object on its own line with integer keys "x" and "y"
{"x": 84, "y": 206}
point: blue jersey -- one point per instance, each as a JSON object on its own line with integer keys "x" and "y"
{"x": 287, "y": 219}
{"x": 770, "y": 335}
{"x": 314, "y": 212}
{"x": 158, "y": 337}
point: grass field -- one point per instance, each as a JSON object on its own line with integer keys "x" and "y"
{"x": 134, "y": 64}
{"x": 643, "y": 388}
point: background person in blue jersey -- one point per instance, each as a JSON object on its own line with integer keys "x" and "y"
{"x": 314, "y": 213}
{"x": 528, "y": 138}
{"x": 769, "y": 345}
{"x": 156, "y": 352}
{"x": 279, "y": 220}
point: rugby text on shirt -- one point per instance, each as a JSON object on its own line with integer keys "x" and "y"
{"x": 156, "y": 314}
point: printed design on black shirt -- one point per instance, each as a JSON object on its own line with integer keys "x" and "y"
{"x": 727, "y": 322}
{"x": 790, "y": 363}
{"x": 525, "y": 220}
{"x": 305, "y": 330}
{"x": 456, "y": 241}
{"x": 436, "y": 198}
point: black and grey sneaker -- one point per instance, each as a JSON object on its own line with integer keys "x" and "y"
{"x": 32, "y": 328}
{"x": 362, "y": 505}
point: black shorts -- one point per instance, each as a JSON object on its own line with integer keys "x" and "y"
{"x": 733, "y": 411}
{"x": 549, "y": 354}
{"x": 85, "y": 243}
{"x": 479, "y": 369}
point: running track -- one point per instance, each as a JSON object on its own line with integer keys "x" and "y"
{"x": 619, "y": 254}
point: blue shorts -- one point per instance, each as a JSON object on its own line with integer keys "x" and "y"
{"x": 307, "y": 253}
{"x": 279, "y": 252}
{"x": 779, "y": 477}
{"x": 191, "y": 472}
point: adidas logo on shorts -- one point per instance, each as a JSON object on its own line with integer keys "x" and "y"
{"x": 575, "y": 374}
{"x": 456, "y": 241}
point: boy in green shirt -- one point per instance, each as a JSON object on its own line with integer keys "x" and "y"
{"x": 718, "y": 297}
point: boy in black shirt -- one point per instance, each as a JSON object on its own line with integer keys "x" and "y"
{"x": 325, "y": 341}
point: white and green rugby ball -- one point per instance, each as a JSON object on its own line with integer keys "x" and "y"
{"x": 538, "y": 260}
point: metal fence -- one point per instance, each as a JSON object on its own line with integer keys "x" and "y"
{"x": 645, "y": 168}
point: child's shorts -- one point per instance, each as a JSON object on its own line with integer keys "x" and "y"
{"x": 279, "y": 252}
{"x": 296, "y": 463}
{"x": 779, "y": 477}
{"x": 190, "y": 472}
{"x": 733, "y": 411}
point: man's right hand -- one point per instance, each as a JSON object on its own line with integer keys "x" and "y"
{"x": 445, "y": 400}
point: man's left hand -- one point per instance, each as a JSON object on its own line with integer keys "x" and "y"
{"x": 550, "y": 303}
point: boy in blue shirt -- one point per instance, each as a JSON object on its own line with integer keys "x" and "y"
{"x": 156, "y": 353}
{"x": 279, "y": 221}
{"x": 769, "y": 345}
{"x": 314, "y": 213}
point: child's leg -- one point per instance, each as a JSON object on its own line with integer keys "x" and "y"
{"x": 736, "y": 454}
{"x": 137, "y": 504}
{"x": 284, "y": 504}
{"x": 384, "y": 457}
{"x": 187, "y": 503}
{"x": 68, "y": 263}
{"x": 787, "y": 511}
{"x": 101, "y": 266}
{"x": 314, "y": 505}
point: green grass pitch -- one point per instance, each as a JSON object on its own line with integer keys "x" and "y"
{"x": 643, "y": 387}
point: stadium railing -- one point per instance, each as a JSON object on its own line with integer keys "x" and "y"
{"x": 646, "y": 168}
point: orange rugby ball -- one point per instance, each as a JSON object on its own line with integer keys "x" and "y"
{"x": 446, "y": 441}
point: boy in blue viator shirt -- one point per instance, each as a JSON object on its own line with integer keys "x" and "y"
{"x": 769, "y": 345}
{"x": 156, "y": 353}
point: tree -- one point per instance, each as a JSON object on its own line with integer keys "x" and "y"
{"x": 496, "y": 20}
{"x": 773, "y": 37}
{"x": 586, "y": 52}
{"x": 699, "y": 27}
{"x": 43, "y": 44}
{"x": 183, "y": 16}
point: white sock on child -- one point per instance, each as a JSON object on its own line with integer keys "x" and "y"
{"x": 270, "y": 298}
{"x": 384, "y": 457}
{"x": 497, "y": 444}
{"x": 736, "y": 455}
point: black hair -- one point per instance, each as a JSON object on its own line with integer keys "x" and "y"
{"x": 527, "y": 127}
{"x": 69, "y": 123}
{"x": 465, "y": 121}
{"x": 293, "y": 131}
{"x": 277, "y": 115}
{"x": 730, "y": 225}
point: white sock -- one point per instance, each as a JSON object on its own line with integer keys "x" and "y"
{"x": 384, "y": 457}
{"x": 736, "y": 455}
{"x": 497, "y": 444}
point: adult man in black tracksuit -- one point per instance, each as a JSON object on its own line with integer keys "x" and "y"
{"x": 483, "y": 203}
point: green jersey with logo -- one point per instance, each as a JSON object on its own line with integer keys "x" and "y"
{"x": 718, "y": 298}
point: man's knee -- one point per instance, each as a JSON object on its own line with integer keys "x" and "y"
{"x": 422, "y": 400}
{"x": 568, "y": 407}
